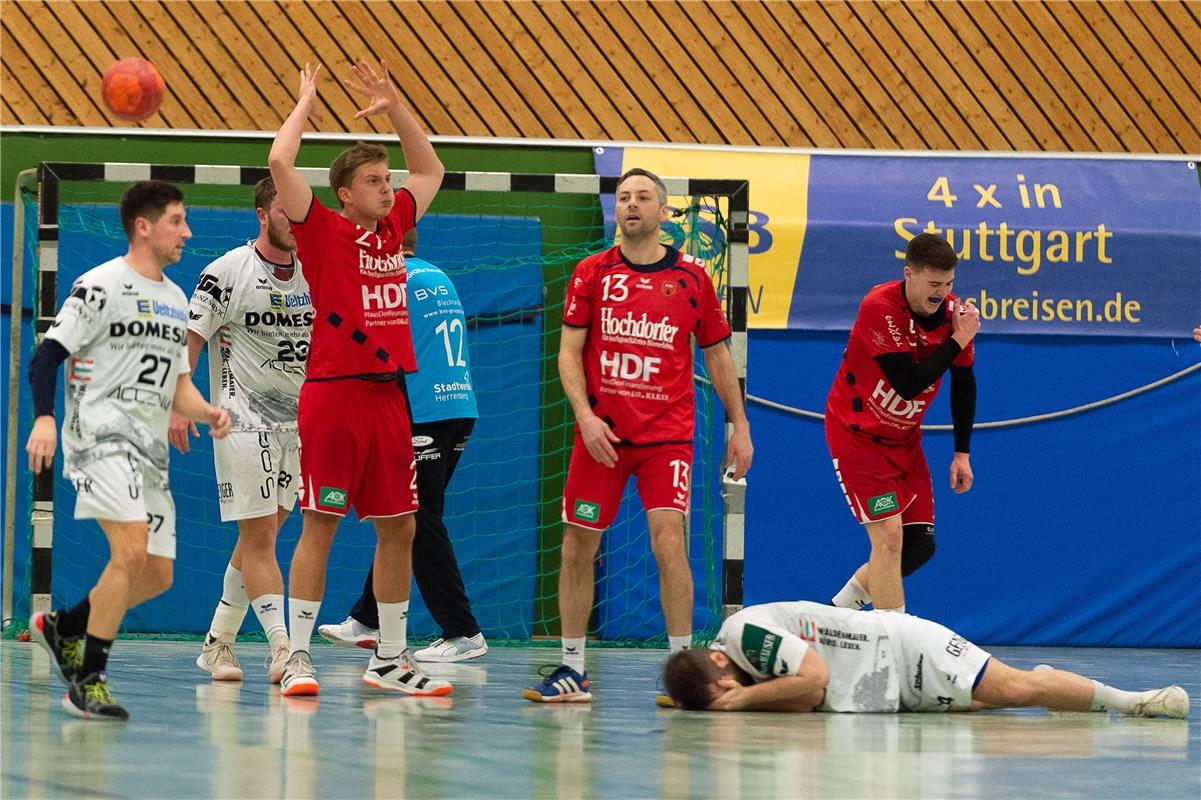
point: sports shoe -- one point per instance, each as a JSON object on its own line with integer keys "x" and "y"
{"x": 299, "y": 679}
{"x": 457, "y": 648}
{"x": 65, "y": 651}
{"x": 664, "y": 701}
{"x": 90, "y": 698}
{"x": 277, "y": 661}
{"x": 1168, "y": 702}
{"x": 564, "y": 685}
{"x": 402, "y": 674}
{"x": 350, "y": 633}
{"x": 217, "y": 658}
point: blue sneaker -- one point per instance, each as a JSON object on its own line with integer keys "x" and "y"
{"x": 564, "y": 685}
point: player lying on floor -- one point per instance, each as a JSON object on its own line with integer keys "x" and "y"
{"x": 802, "y": 656}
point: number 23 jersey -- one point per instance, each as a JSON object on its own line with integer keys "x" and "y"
{"x": 127, "y": 336}
{"x": 258, "y": 331}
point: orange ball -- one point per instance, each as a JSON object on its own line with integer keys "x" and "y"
{"x": 132, "y": 89}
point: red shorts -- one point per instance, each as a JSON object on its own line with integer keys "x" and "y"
{"x": 356, "y": 449}
{"x": 881, "y": 481}
{"x": 593, "y": 491}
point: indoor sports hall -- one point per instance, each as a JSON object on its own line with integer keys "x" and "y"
{"x": 802, "y": 147}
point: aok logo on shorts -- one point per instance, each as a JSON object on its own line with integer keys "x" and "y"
{"x": 589, "y": 512}
{"x": 882, "y": 503}
{"x": 332, "y": 497}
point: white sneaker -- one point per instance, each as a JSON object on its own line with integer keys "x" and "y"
{"x": 217, "y": 658}
{"x": 277, "y": 661}
{"x": 458, "y": 648}
{"x": 350, "y": 633}
{"x": 299, "y": 678}
{"x": 1168, "y": 702}
{"x": 401, "y": 674}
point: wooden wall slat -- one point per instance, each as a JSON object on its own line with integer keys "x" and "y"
{"x": 1086, "y": 75}
{"x": 1097, "y": 52}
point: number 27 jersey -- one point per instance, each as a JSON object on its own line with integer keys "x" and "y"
{"x": 258, "y": 328}
{"x": 638, "y": 354}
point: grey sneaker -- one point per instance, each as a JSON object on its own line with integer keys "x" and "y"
{"x": 217, "y": 658}
{"x": 401, "y": 674}
{"x": 458, "y": 648}
{"x": 299, "y": 678}
{"x": 277, "y": 661}
{"x": 1168, "y": 702}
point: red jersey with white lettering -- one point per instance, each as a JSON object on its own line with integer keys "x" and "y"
{"x": 861, "y": 398}
{"x": 638, "y": 354}
{"x": 358, "y": 285}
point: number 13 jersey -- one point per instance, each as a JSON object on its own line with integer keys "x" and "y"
{"x": 258, "y": 329}
{"x": 638, "y": 354}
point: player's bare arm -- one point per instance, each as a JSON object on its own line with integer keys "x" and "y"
{"x": 189, "y": 403}
{"x": 179, "y": 427}
{"x": 292, "y": 189}
{"x": 382, "y": 96}
{"x": 597, "y": 435}
{"x": 739, "y": 450}
{"x": 800, "y": 692}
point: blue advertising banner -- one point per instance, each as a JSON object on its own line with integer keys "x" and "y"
{"x": 1079, "y": 246}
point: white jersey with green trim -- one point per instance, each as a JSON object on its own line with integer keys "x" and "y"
{"x": 128, "y": 344}
{"x": 861, "y": 649}
{"x": 258, "y": 329}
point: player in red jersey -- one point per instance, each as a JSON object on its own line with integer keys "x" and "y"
{"x": 907, "y": 334}
{"x": 625, "y": 361}
{"x": 356, "y": 447}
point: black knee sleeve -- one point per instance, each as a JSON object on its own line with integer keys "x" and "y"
{"x": 917, "y": 547}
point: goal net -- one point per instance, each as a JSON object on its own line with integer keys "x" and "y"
{"x": 509, "y": 242}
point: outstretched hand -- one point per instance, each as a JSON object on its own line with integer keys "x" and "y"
{"x": 307, "y": 92}
{"x": 381, "y": 93}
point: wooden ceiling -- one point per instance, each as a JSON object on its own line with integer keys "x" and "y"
{"x": 1037, "y": 75}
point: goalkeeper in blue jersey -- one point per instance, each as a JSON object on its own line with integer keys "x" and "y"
{"x": 444, "y": 413}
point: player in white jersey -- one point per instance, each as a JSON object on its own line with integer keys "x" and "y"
{"x": 803, "y": 656}
{"x": 252, "y": 306}
{"x": 123, "y": 327}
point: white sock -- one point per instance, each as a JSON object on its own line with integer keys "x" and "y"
{"x": 678, "y": 643}
{"x": 898, "y": 610}
{"x": 393, "y": 627}
{"x": 269, "y": 608}
{"x": 231, "y": 609}
{"x": 302, "y": 615}
{"x": 853, "y": 595}
{"x": 1107, "y": 698}
{"x": 573, "y": 653}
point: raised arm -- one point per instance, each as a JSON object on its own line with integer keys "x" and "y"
{"x": 425, "y": 168}
{"x": 725, "y": 381}
{"x": 291, "y": 187}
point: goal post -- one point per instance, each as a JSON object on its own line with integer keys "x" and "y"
{"x": 509, "y": 241}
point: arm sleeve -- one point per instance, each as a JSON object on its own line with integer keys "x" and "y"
{"x": 764, "y": 651}
{"x": 911, "y": 378}
{"x": 209, "y": 307}
{"x": 712, "y": 326}
{"x": 43, "y": 375}
{"x": 963, "y": 406}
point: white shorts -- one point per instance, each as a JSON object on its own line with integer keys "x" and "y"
{"x": 938, "y": 667}
{"x": 123, "y": 488}
{"x": 257, "y": 473}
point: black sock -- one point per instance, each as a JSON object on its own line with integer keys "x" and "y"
{"x": 95, "y": 655}
{"x": 74, "y": 621}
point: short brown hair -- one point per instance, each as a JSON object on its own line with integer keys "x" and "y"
{"x": 341, "y": 172}
{"x": 264, "y": 193}
{"x": 147, "y": 199}
{"x": 929, "y": 250}
{"x": 660, "y": 186}
{"x": 688, "y": 677}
